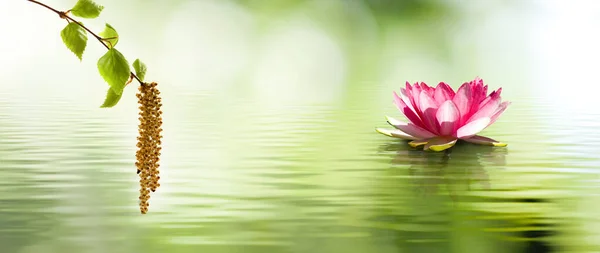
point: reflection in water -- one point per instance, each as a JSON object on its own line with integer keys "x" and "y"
{"x": 458, "y": 177}
{"x": 462, "y": 166}
{"x": 270, "y": 146}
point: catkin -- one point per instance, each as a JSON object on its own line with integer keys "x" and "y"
{"x": 149, "y": 141}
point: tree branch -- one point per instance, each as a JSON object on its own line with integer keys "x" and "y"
{"x": 64, "y": 15}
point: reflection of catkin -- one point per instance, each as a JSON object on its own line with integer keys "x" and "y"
{"x": 149, "y": 141}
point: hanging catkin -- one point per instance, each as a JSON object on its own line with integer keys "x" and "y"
{"x": 149, "y": 141}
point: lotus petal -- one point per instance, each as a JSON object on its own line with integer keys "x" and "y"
{"x": 407, "y": 110}
{"x": 414, "y": 95}
{"x": 430, "y": 90}
{"x": 482, "y": 140}
{"x": 488, "y": 109}
{"x": 410, "y": 103}
{"x": 499, "y": 91}
{"x": 477, "y": 94}
{"x": 410, "y": 129}
{"x": 408, "y": 86}
{"x": 440, "y": 143}
{"x": 485, "y": 100}
{"x": 472, "y": 128}
{"x": 447, "y": 116}
{"x": 395, "y": 133}
{"x": 409, "y": 98}
{"x": 485, "y": 90}
{"x": 462, "y": 101}
{"x": 501, "y": 108}
{"x": 442, "y": 93}
{"x": 428, "y": 109}
{"x": 405, "y": 91}
{"x": 417, "y": 143}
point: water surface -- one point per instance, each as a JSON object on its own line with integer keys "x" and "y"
{"x": 269, "y": 118}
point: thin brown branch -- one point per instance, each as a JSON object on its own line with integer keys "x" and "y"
{"x": 47, "y": 7}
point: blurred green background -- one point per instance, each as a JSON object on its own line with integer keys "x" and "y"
{"x": 269, "y": 116}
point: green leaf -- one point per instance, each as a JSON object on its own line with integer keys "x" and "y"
{"x": 75, "y": 38}
{"x": 113, "y": 67}
{"x": 140, "y": 69}
{"x": 110, "y": 35}
{"x": 86, "y": 9}
{"x": 111, "y": 99}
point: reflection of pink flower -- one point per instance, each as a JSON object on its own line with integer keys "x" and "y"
{"x": 438, "y": 116}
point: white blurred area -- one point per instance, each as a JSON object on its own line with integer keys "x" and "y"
{"x": 211, "y": 45}
{"x": 204, "y": 46}
{"x": 215, "y": 43}
{"x": 37, "y": 69}
{"x": 208, "y": 44}
{"x": 565, "y": 46}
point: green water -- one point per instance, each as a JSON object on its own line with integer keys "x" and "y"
{"x": 269, "y": 144}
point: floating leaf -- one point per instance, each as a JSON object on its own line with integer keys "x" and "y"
{"x": 111, "y": 99}
{"x": 86, "y": 9}
{"x": 75, "y": 38}
{"x": 110, "y": 35}
{"x": 140, "y": 69}
{"x": 113, "y": 67}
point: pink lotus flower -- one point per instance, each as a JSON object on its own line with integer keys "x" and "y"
{"x": 438, "y": 116}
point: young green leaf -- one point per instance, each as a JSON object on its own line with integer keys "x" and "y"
{"x": 113, "y": 67}
{"x": 75, "y": 38}
{"x": 140, "y": 69}
{"x": 86, "y": 9}
{"x": 110, "y": 35}
{"x": 111, "y": 99}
